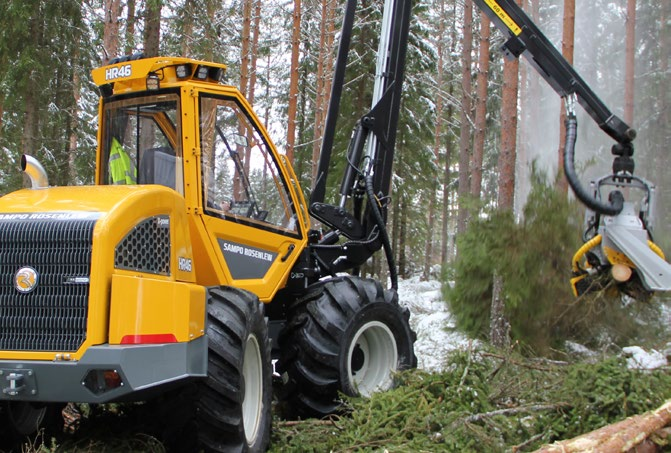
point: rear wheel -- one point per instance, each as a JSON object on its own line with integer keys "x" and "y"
{"x": 234, "y": 402}
{"x": 346, "y": 335}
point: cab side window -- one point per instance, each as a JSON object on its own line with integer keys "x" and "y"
{"x": 241, "y": 179}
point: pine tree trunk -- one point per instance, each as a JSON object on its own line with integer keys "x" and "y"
{"x": 2, "y": 111}
{"x": 445, "y": 255}
{"x": 567, "y": 51}
{"x": 293, "y": 81}
{"x": 111, "y": 30}
{"x": 187, "y": 27}
{"x": 152, "y": 30}
{"x": 403, "y": 229}
{"x": 321, "y": 96}
{"x": 499, "y": 328}
{"x": 480, "y": 108}
{"x": 428, "y": 248}
{"x": 130, "y": 27}
{"x": 245, "y": 46}
{"x": 507, "y": 154}
{"x": 446, "y": 250}
{"x": 522, "y": 164}
{"x": 465, "y": 122}
{"x": 629, "y": 62}
{"x": 73, "y": 120}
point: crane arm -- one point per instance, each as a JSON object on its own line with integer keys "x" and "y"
{"x": 524, "y": 38}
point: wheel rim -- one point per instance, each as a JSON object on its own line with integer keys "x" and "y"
{"x": 252, "y": 404}
{"x": 372, "y": 358}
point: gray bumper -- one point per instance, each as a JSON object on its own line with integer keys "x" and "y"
{"x": 142, "y": 368}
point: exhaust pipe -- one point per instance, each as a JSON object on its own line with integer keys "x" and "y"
{"x": 35, "y": 171}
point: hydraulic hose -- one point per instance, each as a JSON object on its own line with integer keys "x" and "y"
{"x": 616, "y": 198}
{"x": 384, "y": 236}
{"x": 587, "y": 246}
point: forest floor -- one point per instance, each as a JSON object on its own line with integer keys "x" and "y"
{"x": 463, "y": 397}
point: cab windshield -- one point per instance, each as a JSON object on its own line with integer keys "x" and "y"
{"x": 140, "y": 142}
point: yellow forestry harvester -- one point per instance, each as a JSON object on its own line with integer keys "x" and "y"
{"x": 191, "y": 265}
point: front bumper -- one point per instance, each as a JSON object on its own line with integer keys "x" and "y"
{"x": 142, "y": 369}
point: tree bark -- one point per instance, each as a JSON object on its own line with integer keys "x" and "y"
{"x": 187, "y": 29}
{"x": 481, "y": 107}
{"x": 293, "y": 81}
{"x": 402, "y": 234}
{"x": 623, "y": 436}
{"x": 319, "y": 91}
{"x": 499, "y": 328}
{"x": 245, "y": 46}
{"x": 111, "y": 30}
{"x": 152, "y": 27}
{"x": 630, "y": 41}
{"x": 74, "y": 120}
{"x": 324, "y": 70}
{"x": 507, "y": 153}
{"x": 567, "y": 51}
{"x": 465, "y": 122}
{"x": 437, "y": 139}
{"x": 130, "y": 27}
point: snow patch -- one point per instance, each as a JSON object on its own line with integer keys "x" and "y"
{"x": 640, "y": 359}
{"x": 431, "y": 320}
{"x": 437, "y": 335}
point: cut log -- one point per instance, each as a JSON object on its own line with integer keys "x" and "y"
{"x": 619, "y": 437}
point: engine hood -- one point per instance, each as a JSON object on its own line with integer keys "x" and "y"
{"x": 79, "y": 201}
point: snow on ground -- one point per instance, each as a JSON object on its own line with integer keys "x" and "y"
{"x": 638, "y": 358}
{"x": 431, "y": 320}
{"x": 437, "y": 335}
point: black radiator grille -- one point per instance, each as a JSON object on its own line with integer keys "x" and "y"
{"x": 51, "y": 317}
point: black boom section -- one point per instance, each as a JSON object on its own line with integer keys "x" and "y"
{"x": 524, "y": 38}
{"x": 45, "y": 266}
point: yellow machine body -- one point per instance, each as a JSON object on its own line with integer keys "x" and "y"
{"x": 156, "y": 247}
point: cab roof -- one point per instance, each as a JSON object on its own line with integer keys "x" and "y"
{"x": 133, "y": 73}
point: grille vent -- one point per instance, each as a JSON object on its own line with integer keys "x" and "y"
{"x": 53, "y": 316}
{"x": 146, "y": 248}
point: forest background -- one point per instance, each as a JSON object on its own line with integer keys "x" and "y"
{"x": 474, "y": 132}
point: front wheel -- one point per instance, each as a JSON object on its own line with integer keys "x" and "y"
{"x": 234, "y": 402}
{"x": 346, "y": 335}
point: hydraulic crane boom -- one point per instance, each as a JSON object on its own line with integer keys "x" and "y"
{"x": 524, "y": 38}
{"x": 620, "y": 245}
{"x": 367, "y": 178}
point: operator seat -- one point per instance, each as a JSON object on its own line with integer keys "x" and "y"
{"x": 158, "y": 166}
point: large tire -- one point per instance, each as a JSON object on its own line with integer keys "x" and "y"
{"x": 346, "y": 335}
{"x": 23, "y": 421}
{"x": 233, "y": 410}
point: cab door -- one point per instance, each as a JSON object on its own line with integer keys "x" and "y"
{"x": 250, "y": 210}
